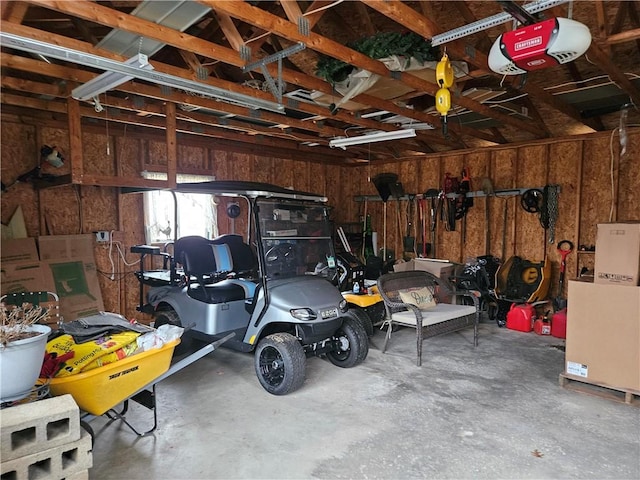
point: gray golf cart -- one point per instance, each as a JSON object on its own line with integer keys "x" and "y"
{"x": 273, "y": 289}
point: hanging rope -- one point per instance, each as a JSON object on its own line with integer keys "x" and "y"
{"x": 550, "y": 211}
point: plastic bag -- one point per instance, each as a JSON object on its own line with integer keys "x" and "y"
{"x": 156, "y": 339}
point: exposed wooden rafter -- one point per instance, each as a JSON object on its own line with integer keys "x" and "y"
{"x": 280, "y": 26}
{"x": 215, "y": 43}
{"x": 100, "y": 14}
{"x": 405, "y": 15}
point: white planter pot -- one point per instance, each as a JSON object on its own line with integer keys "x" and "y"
{"x": 20, "y": 364}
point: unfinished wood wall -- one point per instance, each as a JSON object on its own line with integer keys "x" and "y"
{"x": 583, "y": 168}
{"x": 74, "y": 209}
{"x": 580, "y": 166}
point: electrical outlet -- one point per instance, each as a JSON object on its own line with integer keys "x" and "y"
{"x": 102, "y": 236}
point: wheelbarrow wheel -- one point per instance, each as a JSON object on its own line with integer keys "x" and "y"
{"x": 170, "y": 317}
{"x": 280, "y": 363}
{"x": 353, "y": 345}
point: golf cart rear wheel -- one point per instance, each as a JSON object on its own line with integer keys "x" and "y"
{"x": 170, "y": 317}
{"x": 280, "y": 363}
{"x": 353, "y": 345}
{"x": 362, "y": 316}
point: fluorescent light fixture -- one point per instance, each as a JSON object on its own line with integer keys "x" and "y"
{"x": 109, "y": 80}
{"x": 372, "y": 137}
{"x": 26, "y": 44}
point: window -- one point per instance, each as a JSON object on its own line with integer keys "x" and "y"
{"x": 197, "y": 213}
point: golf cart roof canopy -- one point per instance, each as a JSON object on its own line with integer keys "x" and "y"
{"x": 233, "y": 188}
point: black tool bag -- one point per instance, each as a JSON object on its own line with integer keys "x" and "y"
{"x": 104, "y": 323}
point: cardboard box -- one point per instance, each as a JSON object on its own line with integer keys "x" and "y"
{"x": 21, "y": 250}
{"x": 618, "y": 254}
{"x": 71, "y": 264}
{"x": 439, "y": 268}
{"x": 603, "y": 335}
{"x": 26, "y": 277}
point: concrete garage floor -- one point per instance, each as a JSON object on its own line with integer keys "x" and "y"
{"x": 495, "y": 411}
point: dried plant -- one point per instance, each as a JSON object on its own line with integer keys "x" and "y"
{"x": 16, "y": 321}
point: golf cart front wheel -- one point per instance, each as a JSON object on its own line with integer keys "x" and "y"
{"x": 280, "y": 363}
{"x": 353, "y": 345}
{"x": 363, "y": 317}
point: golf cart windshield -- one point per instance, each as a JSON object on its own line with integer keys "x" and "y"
{"x": 296, "y": 238}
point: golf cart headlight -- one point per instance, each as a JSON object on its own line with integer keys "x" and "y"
{"x": 343, "y": 305}
{"x": 303, "y": 313}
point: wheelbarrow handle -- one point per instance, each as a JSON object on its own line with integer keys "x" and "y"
{"x": 188, "y": 360}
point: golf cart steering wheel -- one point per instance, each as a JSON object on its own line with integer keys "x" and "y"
{"x": 282, "y": 257}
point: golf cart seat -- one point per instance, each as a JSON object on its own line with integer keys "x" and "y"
{"x": 211, "y": 265}
{"x": 226, "y": 264}
{"x": 243, "y": 259}
{"x": 205, "y": 280}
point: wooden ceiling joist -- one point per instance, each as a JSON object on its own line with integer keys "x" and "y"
{"x": 215, "y": 42}
{"x": 405, "y": 15}
{"x": 253, "y": 15}
{"x": 100, "y": 14}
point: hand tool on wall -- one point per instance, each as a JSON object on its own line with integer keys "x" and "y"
{"x": 505, "y": 213}
{"x": 398, "y": 192}
{"x": 386, "y": 184}
{"x": 369, "y": 251}
{"x": 450, "y": 186}
{"x": 487, "y": 188}
{"x": 463, "y": 202}
{"x": 363, "y": 250}
{"x": 422, "y": 246}
{"x": 409, "y": 240}
{"x": 565, "y": 247}
{"x": 434, "y": 197}
{"x": 398, "y": 241}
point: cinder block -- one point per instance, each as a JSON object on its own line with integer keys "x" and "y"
{"x": 60, "y": 462}
{"x": 37, "y": 426}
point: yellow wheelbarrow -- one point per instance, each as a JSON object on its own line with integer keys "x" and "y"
{"x": 101, "y": 390}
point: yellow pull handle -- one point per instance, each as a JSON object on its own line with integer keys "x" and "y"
{"x": 443, "y": 101}
{"x": 444, "y": 72}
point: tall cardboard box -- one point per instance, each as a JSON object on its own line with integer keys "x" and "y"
{"x": 71, "y": 263}
{"x": 603, "y": 335}
{"x": 618, "y": 254}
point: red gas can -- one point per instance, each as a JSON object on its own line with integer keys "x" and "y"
{"x": 542, "y": 327}
{"x": 559, "y": 324}
{"x": 520, "y": 317}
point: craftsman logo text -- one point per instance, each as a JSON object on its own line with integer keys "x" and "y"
{"x": 531, "y": 42}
